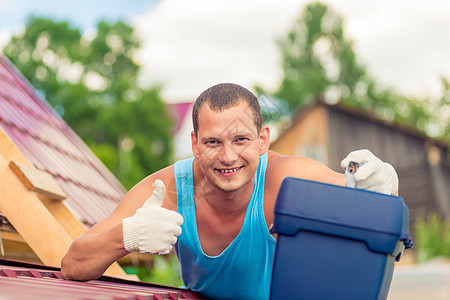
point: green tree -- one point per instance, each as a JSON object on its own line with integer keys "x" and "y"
{"x": 432, "y": 237}
{"x": 318, "y": 61}
{"x": 91, "y": 81}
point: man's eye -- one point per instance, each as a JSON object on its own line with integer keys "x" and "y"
{"x": 212, "y": 143}
{"x": 241, "y": 139}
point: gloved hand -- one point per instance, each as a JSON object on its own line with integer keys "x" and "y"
{"x": 153, "y": 229}
{"x": 364, "y": 170}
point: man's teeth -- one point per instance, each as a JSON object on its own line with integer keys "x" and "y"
{"x": 229, "y": 170}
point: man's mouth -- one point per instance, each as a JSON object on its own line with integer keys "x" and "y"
{"x": 224, "y": 171}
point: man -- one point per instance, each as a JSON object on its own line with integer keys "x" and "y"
{"x": 225, "y": 195}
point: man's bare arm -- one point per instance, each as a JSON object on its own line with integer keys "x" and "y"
{"x": 92, "y": 253}
{"x": 301, "y": 167}
{"x": 374, "y": 174}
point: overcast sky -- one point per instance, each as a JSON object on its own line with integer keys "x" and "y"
{"x": 189, "y": 45}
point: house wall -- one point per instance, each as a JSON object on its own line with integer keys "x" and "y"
{"x": 420, "y": 183}
{"x": 306, "y": 137}
{"x": 350, "y": 132}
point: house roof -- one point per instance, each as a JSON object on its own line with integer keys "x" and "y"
{"x": 361, "y": 113}
{"x": 50, "y": 144}
{"x": 179, "y": 112}
{"x": 20, "y": 280}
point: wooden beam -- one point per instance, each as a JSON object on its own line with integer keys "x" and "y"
{"x": 64, "y": 216}
{"x": 31, "y": 218}
{"x": 16, "y": 248}
{"x": 46, "y": 225}
{"x": 12, "y": 236}
{"x": 37, "y": 180}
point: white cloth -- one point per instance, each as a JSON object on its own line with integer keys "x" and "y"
{"x": 153, "y": 229}
{"x": 372, "y": 174}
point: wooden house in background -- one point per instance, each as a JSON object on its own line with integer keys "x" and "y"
{"x": 328, "y": 133}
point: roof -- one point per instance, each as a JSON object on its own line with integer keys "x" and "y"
{"x": 20, "y": 280}
{"x": 179, "y": 112}
{"x": 366, "y": 114}
{"x": 50, "y": 144}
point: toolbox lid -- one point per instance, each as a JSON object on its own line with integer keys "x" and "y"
{"x": 377, "y": 219}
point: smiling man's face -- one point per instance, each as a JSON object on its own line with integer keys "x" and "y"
{"x": 227, "y": 146}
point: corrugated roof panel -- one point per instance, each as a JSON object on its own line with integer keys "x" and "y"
{"x": 42, "y": 129}
{"x": 22, "y": 91}
{"x": 49, "y": 143}
{"x": 87, "y": 210}
{"x": 26, "y": 281}
{"x": 91, "y": 213}
{"x": 21, "y": 139}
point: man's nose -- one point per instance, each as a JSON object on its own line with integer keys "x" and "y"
{"x": 228, "y": 154}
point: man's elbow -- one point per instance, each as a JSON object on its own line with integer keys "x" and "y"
{"x": 67, "y": 271}
{"x": 71, "y": 270}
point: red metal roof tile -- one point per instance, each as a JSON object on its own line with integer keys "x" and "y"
{"x": 20, "y": 280}
{"x": 49, "y": 143}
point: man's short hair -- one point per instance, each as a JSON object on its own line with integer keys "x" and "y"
{"x": 223, "y": 96}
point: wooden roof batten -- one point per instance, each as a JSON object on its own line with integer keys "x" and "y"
{"x": 36, "y": 211}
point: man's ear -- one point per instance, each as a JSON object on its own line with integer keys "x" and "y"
{"x": 194, "y": 144}
{"x": 264, "y": 139}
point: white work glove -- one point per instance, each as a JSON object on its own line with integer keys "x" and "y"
{"x": 153, "y": 229}
{"x": 363, "y": 170}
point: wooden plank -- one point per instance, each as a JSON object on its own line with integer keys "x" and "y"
{"x": 64, "y": 216}
{"x": 12, "y": 236}
{"x": 31, "y": 218}
{"x": 34, "y": 222}
{"x": 47, "y": 226}
{"x": 116, "y": 270}
{"x": 16, "y": 248}
{"x": 37, "y": 180}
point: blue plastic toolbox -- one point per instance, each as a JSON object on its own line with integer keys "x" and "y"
{"x": 335, "y": 242}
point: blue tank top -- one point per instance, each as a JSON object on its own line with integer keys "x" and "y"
{"x": 243, "y": 269}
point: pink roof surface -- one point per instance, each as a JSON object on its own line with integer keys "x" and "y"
{"x": 50, "y": 144}
{"x": 29, "y": 281}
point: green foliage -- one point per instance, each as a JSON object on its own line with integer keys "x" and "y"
{"x": 317, "y": 59}
{"x": 92, "y": 82}
{"x": 319, "y": 62}
{"x": 432, "y": 238}
{"x": 165, "y": 271}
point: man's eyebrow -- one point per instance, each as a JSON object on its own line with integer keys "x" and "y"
{"x": 246, "y": 135}
{"x": 209, "y": 138}
{"x": 241, "y": 132}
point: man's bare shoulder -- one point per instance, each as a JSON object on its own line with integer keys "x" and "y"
{"x": 281, "y": 166}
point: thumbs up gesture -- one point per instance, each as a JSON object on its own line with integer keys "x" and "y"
{"x": 152, "y": 229}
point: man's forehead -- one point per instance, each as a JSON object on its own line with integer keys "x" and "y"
{"x": 237, "y": 123}
{"x": 241, "y": 107}
{"x": 234, "y": 128}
